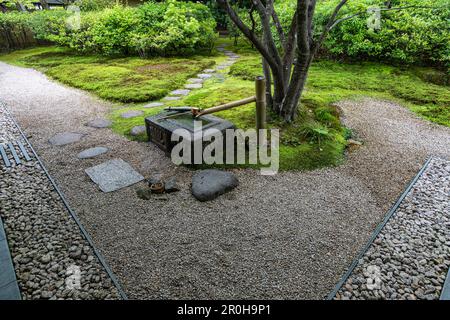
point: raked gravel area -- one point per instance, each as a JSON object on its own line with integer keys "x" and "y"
{"x": 288, "y": 236}
{"x": 51, "y": 258}
{"x": 410, "y": 257}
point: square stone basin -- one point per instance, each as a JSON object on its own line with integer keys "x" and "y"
{"x": 161, "y": 126}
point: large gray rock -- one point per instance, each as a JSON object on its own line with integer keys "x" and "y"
{"x": 113, "y": 175}
{"x": 64, "y": 138}
{"x": 209, "y": 184}
{"x": 92, "y": 152}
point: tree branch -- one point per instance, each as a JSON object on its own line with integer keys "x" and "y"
{"x": 277, "y": 23}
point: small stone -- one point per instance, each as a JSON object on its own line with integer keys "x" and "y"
{"x": 154, "y": 105}
{"x": 64, "y": 138}
{"x": 92, "y": 152}
{"x": 180, "y": 92}
{"x": 171, "y": 185}
{"x": 99, "y": 123}
{"x": 194, "y": 86}
{"x": 208, "y": 71}
{"x": 46, "y": 258}
{"x": 132, "y": 114}
{"x": 195, "y": 80}
{"x": 204, "y": 75}
{"x": 138, "y": 130}
{"x": 144, "y": 193}
{"x": 172, "y": 98}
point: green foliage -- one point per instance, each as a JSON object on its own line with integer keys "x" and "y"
{"x": 168, "y": 28}
{"x": 414, "y": 35}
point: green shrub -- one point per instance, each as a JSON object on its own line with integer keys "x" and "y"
{"x": 167, "y": 28}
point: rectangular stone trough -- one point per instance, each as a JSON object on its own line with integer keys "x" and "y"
{"x": 161, "y": 127}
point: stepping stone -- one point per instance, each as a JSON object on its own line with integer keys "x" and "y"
{"x": 208, "y": 71}
{"x": 113, "y": 175}
{"x": 153, "y": 105}
{"x": 209, "y": 184}
{"x": 99, "y": 123}
{"x": 221, "y": 67}
{"x": 138, "y": 130}
{"x": 195, "y": 80}
{"x": 193, "y": 86}
{"x": 65, "y": 138}
{"x": 204, "y": 76}
{"x": 180, "y": 92}
{"x": 172, "y": 98}
{"x": 220, "y": 49}
{"x": 132, "y": 114}
{"x": 234, "y": 57}
{"x": 92, "y": 152}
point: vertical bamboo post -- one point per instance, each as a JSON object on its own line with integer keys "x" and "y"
{"x": 260, "y": 86}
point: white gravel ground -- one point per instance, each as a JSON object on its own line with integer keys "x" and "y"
{"x": 290, "y": 236}
{"x": 410, "y": 257}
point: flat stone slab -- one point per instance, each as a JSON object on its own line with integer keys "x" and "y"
{"x": 99, "y": 123}
{"x": 204, "y": 75}
{"x": 113, "y": 175}
{"x": 138, "y": 130}
{"x": 172, "y": 98}
{"x": 64, "y": 138}
{"x": 132, "y": 114}
{"x": 193, "y": 86}
{"x": 208, "y": 71}
{"x": 92, "y": 152}
{"x": 180, "y": 92}
{"x": 209, "y": 184}
{"x": 195, "y": 80}
{"x": 153, "y": 105}
{"x": 221, "y": 67}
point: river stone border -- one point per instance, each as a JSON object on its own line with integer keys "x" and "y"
{"x": 97, "y": 279}
{"x": 408, "y": 255}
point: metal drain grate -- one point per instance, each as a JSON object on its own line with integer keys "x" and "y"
{"x": 10, "y": 154}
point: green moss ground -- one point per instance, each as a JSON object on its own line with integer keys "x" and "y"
{"x": 316, "y": 139}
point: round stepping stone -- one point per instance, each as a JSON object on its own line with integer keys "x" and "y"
{"x": 64, "y": 138}
{"x": 193, "y": 86}
{"x": 209, "y": 184}
{"x": 208, "y": 71}
{"x": 153, "y": 105}
{"x": 132, "y": 114}
{"x": 138, "y": 130}
{"x": 92, "y": 152}
{"x": 221, "y": 67}
{"x": 195, "y": 80}
{"x": 204, "y": 75}
{"x": 172, "y": 98}
{"x": 180, "y": 92}
{"x": 221, "y": 49}
{"x": 99, "y": 123}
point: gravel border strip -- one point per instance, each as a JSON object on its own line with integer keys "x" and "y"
{"x": 72, "y": 213}
{"x": 377, "y": 230}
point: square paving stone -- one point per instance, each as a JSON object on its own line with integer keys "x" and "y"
{"x": 193, "y": 86}
{"x": 180, "y": 92}
{"x": 113, "y": 175}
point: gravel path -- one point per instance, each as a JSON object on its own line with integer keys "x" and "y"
{"x": 410, "y": 257}
{"x": 46, "y": 245}
{"x": 289, "y": 236}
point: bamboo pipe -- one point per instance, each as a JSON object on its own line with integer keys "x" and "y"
{"x": 226, "y": 106}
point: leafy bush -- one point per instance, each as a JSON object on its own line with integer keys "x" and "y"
{"x": 412, "y": 35}
{"x": 167, "y": 28}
